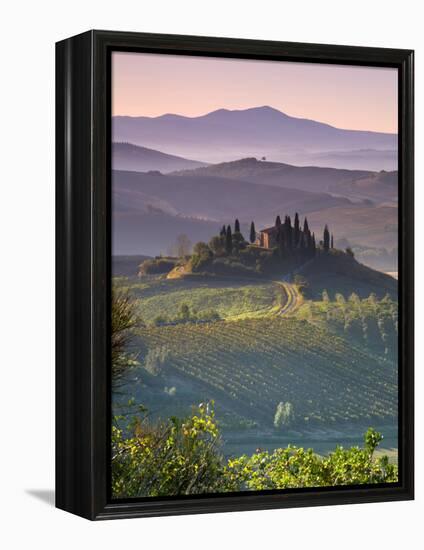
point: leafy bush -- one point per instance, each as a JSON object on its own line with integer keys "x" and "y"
{"x": 182, "y": 457}
{"x": 157, "y": 266}
{"x": 295, "y": 467}
{"x": 124, "y": 320}
{"x": 177, "y": 457}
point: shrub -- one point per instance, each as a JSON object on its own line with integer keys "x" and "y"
{"x": 124, "y": 320}
{"x": 182, "y": 457}
{"x": 157, "y": 266}
{"x": 177, "y": 457}
{"x": 295, "y": 467}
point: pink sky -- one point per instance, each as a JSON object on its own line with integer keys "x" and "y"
{"x": 359, "y": 98}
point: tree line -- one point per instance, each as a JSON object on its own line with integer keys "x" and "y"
{"x": 287, "y": 237}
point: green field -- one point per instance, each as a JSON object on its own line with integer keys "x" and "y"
{"x": 231, "y": 299}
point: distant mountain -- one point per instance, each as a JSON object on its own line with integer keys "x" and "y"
{"x": 225, "y": 134}
{"x": 127, "y": 156}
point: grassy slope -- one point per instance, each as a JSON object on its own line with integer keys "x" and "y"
{"x": 339, "y": 273}
{"x": 231, "y": 299}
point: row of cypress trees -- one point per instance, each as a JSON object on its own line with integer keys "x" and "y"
{"x": 288, "y": 236}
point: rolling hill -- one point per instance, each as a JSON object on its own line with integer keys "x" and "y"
{"x": 355, "y": 184}
{"x": 151, "y": 209}
{"x": 339, "y": 273}
{"x": 360, "y": 224}
{"x": 127, "y": 156}
{"x": 379, "y": 187}
{"x": 224, "y": 134}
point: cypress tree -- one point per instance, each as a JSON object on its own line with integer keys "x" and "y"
{"x": 305, "y": 226}
{"x": 237, "y": 226}
{"x": 288, "y": 232}
{"x": 277, "y": 221}
{"x": 332, "y": 241}
{"x": 326, "y": 239}
{"x": 313, "y": 245}
{"x": 228, "y": 240}
{"x": 281, "y": 240}
{"x": 223, "y": 231}
{"x": 252, "y": 233}
{"x": 296, "y": 234}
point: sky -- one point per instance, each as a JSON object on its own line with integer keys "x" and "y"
{"x": 356, "y": 98}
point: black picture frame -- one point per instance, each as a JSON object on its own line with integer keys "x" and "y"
{"x": 83, "y": 272}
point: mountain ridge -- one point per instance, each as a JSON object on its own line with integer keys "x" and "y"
{"x": 224, "y": 134}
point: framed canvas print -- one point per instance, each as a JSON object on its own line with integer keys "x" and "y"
{"x": 234, "y": 274}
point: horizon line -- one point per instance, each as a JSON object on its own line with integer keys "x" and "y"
{"x": 259, "y": 107}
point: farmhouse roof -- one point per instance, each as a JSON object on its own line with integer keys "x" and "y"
{"x": 269, "y": 229}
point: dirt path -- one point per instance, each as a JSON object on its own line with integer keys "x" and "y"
{"x": 294, "y": 298}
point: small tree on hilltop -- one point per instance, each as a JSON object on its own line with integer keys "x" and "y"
{"x": 277, "y": 221}
{"x": 237, "y": 226}
{"x": 252, "y": 233}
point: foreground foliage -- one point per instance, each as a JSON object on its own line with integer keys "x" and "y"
{"x": 123, "y": 321}
{"x": 181, "y": 457}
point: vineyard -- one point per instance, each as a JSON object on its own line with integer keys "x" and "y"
{"x": 250, "y": 366}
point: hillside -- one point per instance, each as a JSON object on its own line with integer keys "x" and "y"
{"x": 126, "y": 266}
{"x": 249, "y": 366}
{"x": 360, "y": 224}
{"x": 307, "y": 178}
{"x": 150, "y": 210}
{"x": 234, "y": 341}
{"x": 127, "y": 156}
{"x": 359, "y": 159}
{"x": 381, "y": 187}
{"x": 338, "y": 272}
{"x": 224, "y": 134}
